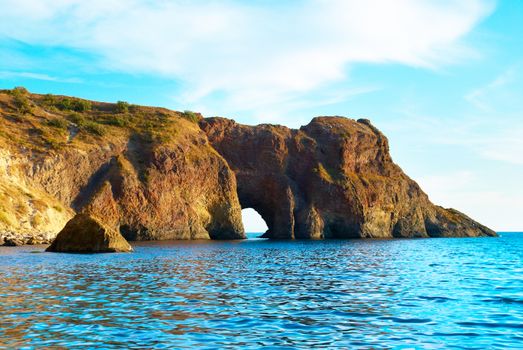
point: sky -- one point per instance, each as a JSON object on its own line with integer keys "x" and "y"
{"x": 442, "y": 79}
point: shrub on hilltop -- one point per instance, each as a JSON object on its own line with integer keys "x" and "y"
{"x": 191, "y": 116}
{"x": 21, "y": 100}
{"x": 73, "y": 104}
{"x": 122, "y": 107}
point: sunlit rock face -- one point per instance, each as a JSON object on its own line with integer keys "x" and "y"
{"x": 149, "y": 171}
{"x": 86, "y": 234}
{"x": 155, "y": 174}
{"x": 333, "y": 178}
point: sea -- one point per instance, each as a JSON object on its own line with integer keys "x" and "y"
{"x": 438, "y": 293}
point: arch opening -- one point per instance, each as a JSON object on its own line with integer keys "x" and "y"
{"x": 253, "y": 223}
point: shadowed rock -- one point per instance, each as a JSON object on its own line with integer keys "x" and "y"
{"x": 85, "y": 234}
{"x": 333, "y": 178}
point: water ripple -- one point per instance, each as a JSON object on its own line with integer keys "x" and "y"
{"x": 431, "y": 293}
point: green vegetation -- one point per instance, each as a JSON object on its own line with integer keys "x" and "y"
{"x": 49, "y": 101}
{"x": 93, "y": 128}
{"x": 116, "y": 120}
{"x": 21, "y": 100}
{"x": 90, "y": 126}
{"x": 77, "y": 119}
{"x": 191, "y": 116}
{"x": 40, "y": 122}
{"x": 53, "y": 102}
{"x": 58, "y": 123}
{"x": 73, "y": 104}
{"x": 53, "y": 143}
{"x": 328, "y": 174}
{"x": 49, "y": 134}
{"x": 20, "y": 90}
{"x": 122, "y": 107}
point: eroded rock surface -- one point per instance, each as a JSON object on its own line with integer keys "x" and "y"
{"x": 156, "y": 174}
{"x": 333, "y": 178}
{"x": 150, "y": 171}
{"x": 86, "y": 234}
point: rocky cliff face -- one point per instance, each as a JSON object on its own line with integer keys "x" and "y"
{"x": 155, "y": 174}
{"x": 149, "y": 172}
{"x": 333, "y": 178}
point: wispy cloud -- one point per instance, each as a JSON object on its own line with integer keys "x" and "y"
{"x": 254, "y": 54}
{"x": 506, "y": 146}
{"x": 37, "y": 76}
{"x": 480, "y": 97}
{"x": 490, "y": 137}
{"x": 470, "y": 153}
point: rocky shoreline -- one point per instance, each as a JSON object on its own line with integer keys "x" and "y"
{"x": 11, "y": 239}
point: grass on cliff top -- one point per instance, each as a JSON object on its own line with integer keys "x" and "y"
{"x": 52, "y": 122}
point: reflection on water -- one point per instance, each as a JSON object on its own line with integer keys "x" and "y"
{"x": 436, "y": 293}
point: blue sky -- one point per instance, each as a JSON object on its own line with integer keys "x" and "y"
{"x": 442, "y": 79}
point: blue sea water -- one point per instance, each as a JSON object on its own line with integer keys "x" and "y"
{"x": 392, "y": 294}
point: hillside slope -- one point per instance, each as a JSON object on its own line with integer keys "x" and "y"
{"x": 149, "y": 171}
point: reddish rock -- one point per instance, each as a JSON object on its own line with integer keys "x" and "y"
{"x": 152, "y": 174}
{"x": 182, "y": 190}
{"x": 333, "y": 178}
{"x": 149, "y": 171}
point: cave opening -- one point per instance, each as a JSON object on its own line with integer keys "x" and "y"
{"x": 253, "y": 223}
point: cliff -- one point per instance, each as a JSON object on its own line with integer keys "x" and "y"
{"x": 333, "y": 178}
{"x": 156, "y": 174}
{"x": 150, "y": 172}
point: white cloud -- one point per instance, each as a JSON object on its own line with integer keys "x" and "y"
{"x": 450, "y": 182}
{"x": 506, "y": 146}
{"x": 495, "y": 135}
{"x": 471, "y": 158}
{"x": 270, "y": 59}
{"x": 481, "y": 97}
{"x": 254, "y": 54}
{"x": 36, "y": 76}
{"x": 491, "y": 138}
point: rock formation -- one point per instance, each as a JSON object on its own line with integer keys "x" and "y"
{"x": 150, "y": 170}
{"x": 86, "y": 234}
{"x": 13, "y": 242}
{"x": 333, "y": 178}
{"x": 159, "y": 174}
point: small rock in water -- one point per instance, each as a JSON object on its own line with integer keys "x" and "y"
{"x": 85, "y": 234}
